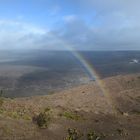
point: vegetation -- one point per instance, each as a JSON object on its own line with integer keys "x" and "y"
{"x": 72, "y": 116}
{"x": 73, "y": 134}
{"x": 20, "y": 113}
{"x": 136, "y": 112}
{"x": 47, "y": 109}
{"x": 43, "y": 119}
{"x": 15, "y": 114}
{"x": 93, "y": 136}
{"x": 122, "y": 132}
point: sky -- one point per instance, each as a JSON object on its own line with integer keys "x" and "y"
{"x": 65, "y": 24}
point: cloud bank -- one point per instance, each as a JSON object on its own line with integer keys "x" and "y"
{"x": 98, "y": 25}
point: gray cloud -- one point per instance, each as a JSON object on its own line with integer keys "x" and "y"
{"x": 117, "y": 26}
{"x": 114, "y": 25}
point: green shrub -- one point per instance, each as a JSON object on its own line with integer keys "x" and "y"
{"x": 47, "y": 109}
{"x": 14, "y": 115}
{"x": 42, "y": 120}
{"x": 1, "y": 110}
{"x": 72, "y": 116}
{"x": 26, "y": 117}
{"x": 93, "y": 136}
{"x": 73, "y": 134}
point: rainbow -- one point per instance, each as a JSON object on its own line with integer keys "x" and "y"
{"x": 93, "y": 74}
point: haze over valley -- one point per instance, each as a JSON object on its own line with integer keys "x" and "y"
{"x": 29, "y": 73}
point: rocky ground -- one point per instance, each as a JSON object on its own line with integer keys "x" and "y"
{"x": 85, "y": 112}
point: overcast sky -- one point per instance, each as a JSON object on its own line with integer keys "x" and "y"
{"x": 65, "y": 24}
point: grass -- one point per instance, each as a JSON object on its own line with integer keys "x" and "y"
{"x": 18, "y": 115}
{"x": 27, "y": 117}
{"x": 71, "y": 116}
{"x": 15, "y": 114}
{"x": 6, "y": 130}
{"x": 74, "y": 134}
{"x": 2, "y": 110}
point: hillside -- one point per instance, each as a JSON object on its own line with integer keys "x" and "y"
{"x": 112, "y": 115}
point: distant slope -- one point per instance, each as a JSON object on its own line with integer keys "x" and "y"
{"x": 115, "y": 116}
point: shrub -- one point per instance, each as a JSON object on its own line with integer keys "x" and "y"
{"x": 1, "y": 110}
{"x": 14, "y": 115}
{"x": 42, "y": 120}
{"x": 93, "y": 136}
{"x": 73, "y": 135}
{"x": 47, "y": 109}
